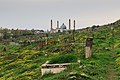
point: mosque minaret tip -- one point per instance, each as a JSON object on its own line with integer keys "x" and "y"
{"x": 74, "y": 25}
{"x": 57, "y": 24}
{"x": 51, "y": 25}
{"x": 69, "y": 24}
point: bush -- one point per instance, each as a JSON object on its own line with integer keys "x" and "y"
{"x": 117, "y": 51}
{"x": 68, "y": 58}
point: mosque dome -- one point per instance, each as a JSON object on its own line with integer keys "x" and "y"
{"x": 63, "y": 26}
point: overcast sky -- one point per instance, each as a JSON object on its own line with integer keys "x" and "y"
{"x": 28, "y": 14}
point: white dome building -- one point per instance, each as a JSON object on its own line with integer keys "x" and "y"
{"x": 63, "y": 26}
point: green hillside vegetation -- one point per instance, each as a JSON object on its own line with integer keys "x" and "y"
{"x": 24, "y": 63}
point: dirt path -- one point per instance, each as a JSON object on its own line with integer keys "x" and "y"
{"x": 111, "y": 75}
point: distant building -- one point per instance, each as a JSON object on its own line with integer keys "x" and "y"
{"x": 39, "y": 31}
{"x": 62, "y": 28}
{"x": 1, "y": 34}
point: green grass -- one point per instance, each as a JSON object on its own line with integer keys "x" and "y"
{"x": 67, "y": 58}
{"x": 24, "y": 63}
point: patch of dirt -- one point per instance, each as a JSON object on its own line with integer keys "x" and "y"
{"x": 111, "y": 75}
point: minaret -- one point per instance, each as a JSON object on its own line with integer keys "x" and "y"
{"x": 51, "y": 25}
{"x": 74, "y": 25}
{"x": 69, "y": 24}
{"x": 57, "y": 24}
{"x": 74, "y": 32}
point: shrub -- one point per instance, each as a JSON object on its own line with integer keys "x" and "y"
{"x": 68, "y": 58}
{"x": 117, "y": 51}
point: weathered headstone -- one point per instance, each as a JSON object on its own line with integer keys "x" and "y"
{"x": 88, "y": 48}
{"x": 53, "y": 68}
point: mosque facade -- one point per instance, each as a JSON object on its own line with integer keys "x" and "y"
{"x": 62, "y": 28}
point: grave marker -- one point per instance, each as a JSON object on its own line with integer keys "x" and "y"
{"x": 88, "y": 48}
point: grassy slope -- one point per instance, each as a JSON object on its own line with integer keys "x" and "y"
{"x": 22, "y": 63}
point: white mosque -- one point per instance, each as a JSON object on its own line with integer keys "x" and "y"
{"x": 62, "y": 28}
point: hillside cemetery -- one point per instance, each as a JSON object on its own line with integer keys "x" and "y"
{"x": 91, "y": 53}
